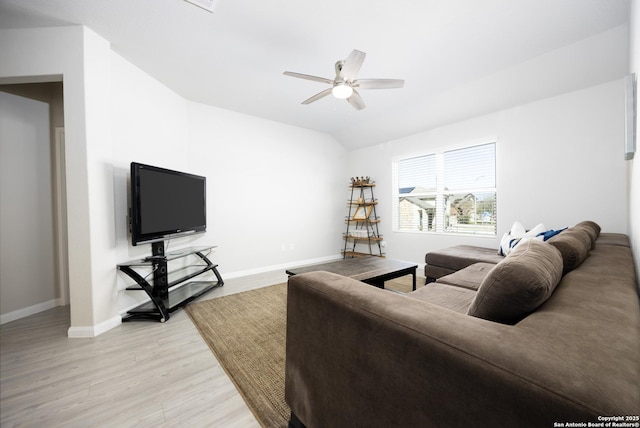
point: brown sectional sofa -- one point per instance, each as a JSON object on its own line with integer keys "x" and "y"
{"x": 361, "y": 356}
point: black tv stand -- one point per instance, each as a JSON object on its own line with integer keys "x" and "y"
{"x": 168, "y": 296}
{"x": 152, "y": 258}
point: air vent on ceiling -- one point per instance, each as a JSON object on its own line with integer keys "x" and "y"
{"x": 207, "y": 5}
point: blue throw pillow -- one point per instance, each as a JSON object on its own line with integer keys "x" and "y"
{"x": 549, "y": 233}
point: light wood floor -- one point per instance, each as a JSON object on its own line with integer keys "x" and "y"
{"x": 140, "y": 374}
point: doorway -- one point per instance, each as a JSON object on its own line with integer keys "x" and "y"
{"x": 35, "y": 262}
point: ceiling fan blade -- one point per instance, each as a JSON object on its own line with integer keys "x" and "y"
{"x": 356, "y": 101}
{"x": 378, "y": 83}
{"x": 308, "y": 77}
{"x": 317, "y": 96}
{"x": 352, "y": 65}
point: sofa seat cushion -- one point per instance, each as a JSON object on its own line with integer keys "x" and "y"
{"x": 613, "y": 239}
{"x": 450, "y": 297}
{"x": 519, "y": 284}
{"x": 470, "y": 277}
{"x": 448, "y": 260}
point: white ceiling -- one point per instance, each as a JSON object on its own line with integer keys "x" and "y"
{"x": 234, "y": 58}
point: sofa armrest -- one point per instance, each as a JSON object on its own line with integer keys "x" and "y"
{"x": 361, "y": 356}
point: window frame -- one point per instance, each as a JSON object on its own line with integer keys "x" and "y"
{"x": 439, "y": 194}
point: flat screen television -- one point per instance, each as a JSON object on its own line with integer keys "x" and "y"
{"x": 166, "y": 204}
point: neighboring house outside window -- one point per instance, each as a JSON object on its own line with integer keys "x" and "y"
{"x": 451, "y": 191}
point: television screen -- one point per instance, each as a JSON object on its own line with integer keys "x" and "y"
{"x": 165, "y": 203}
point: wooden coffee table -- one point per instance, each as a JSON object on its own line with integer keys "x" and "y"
{"x": 369, "y": 269}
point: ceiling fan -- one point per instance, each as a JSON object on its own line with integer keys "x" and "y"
{"x": 345, "y": 83}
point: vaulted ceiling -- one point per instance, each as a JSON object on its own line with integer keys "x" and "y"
{"x": 459, "y": 58}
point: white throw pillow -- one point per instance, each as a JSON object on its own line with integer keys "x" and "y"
{"x": 536, "y": 230}
{"x": 519, "y": 234}
{"x": 517, "y": 230}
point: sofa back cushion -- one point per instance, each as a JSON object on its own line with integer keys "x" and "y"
{"x": 592, "y": 229}
{"x": 592, "y": 225}
{"x": 519, "y": 284}
{"x": 574, "y": 245}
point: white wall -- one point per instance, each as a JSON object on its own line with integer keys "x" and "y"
{"x": 271, "y": 188}
{"x": 559, "y": 161}
{"x": 115, "y": 114}
{"x": 149, "y": 125}
{"x": 634, "y": 175}
{"x": 27, "y": 274}
{"x": 276, "y": 193}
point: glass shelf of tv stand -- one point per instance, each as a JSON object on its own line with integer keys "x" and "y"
{"x": 178, "y": 297}
{"x": 175, "y": 276}
{"x": 171, "y": 255}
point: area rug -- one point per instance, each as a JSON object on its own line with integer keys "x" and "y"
{"x": 247, "y": 334}
{"x": 404, "y": 284}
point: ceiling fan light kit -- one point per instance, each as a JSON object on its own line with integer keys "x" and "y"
{"x": 342, "y": 91}
{"x": 344, "y": 84}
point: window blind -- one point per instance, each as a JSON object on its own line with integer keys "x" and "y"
{"x": 451, "y": 191}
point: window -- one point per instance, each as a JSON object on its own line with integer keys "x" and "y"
{"x": 451, "y": 191}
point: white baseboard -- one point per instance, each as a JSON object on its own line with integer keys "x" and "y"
{"x": 249, "y": 272}
{"x": 289, "y": 265}
{"x": 282, "y": 267}
{"x": 31, "y": 310}
{"x": 93, "y": 331}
